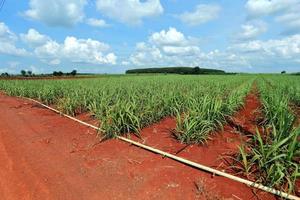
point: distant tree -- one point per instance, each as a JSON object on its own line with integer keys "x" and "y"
{"x": 23, "y": 72}
{"x": 197, "y": 70}
{"x": 74, "y": 72}
{"x": 5, "y": 74}
{"x": 29, "y": 73}
{"x": 59, "y": 73}
{"x": 283, "y": 72}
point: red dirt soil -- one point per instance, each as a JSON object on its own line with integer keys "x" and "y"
{"x": 46, "y": 156}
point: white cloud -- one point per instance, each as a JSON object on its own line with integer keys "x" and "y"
{"x": 49, "y": 49}
{"x": 252, "y": 30}
{"x": 76, "y": 50}
{"x": 202, "y": 14}
{"x": 10, "y": 49}
{"x": 258, "y": 8}
{"x": 286, "y": 12}
{"x": 52, "y": 52}
{"x": 277, "y": 54}
{"x": 285, "y": 48}
{"x": 169, "y": 37}
{"x": 166, "y": 47}
{"x": 148, "y": 55}
{"x": 181, "y": 51}
{"x": 227, "y": 60}
{"x": 144, "y": 55}
{"x": 247, "y": 47}
{"x": 290, "y": 19}
{"x": 96, "y": 22}
{"x": 173, "y": 42}
{"x": 129, "y": 11}
{"x": 243, "y": 55}
{"x": 6, "y": 33}
{"x": 34, "y": 38}
{"x": 8, "y": 41}
{"x": 56, "y": 12}
{"x": 81, "y": 50}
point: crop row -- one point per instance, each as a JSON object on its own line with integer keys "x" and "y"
{"x": 273, "y": 154}
{"x": 130, "y": 103}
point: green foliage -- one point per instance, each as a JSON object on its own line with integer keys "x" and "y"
{"x": 5, "y": 74}
{"x": 275, "y": 157}
{"x": 273, "y": 154}
{"x": 200, "y": 105}
{"x": 73, "y": 72}
{"x": 206, "y": 113}
{"x": 129, "y": 103}
{"x": 176, "y": 70}
{"x": 23, "y": 72}
{"x": 59, "y": 73}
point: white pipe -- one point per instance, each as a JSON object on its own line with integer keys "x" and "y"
{"x": 185, "y": 161}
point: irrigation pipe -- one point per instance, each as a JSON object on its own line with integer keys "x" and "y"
{"x": 182, "y": 160}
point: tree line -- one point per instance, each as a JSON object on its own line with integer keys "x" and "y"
{"x": 29, "y": 73}
{"x": 176, "y": 70}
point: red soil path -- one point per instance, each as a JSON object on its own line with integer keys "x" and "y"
{"x": 46, "y": 156}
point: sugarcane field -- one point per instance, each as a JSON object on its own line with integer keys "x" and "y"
{"x": 152, "y": 99}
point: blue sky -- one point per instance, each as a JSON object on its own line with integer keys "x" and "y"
{"x": 110, "y": 36}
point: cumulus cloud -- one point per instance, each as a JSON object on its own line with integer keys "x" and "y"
{"x": 147, "y": 55}
{"x": 51, "y": 49}
{"x": 10, "y": 49}
{"x": 202, "y": 14}
{"x": 34, "y": 38}
{"x": 273, "y": 53}
{"x": 252, "y": 30}
{"x": 56, "y": 12}
{"x": 6, "y": 33}
{"x": 77, "y": 51}
{"x": 291, "y": 20}
{"x": 96, "y": 22}
{"x": 169, "y": 37}
{"x": 285, "y": 48}
{"x": 258, "y": 8}
{"x": 227, "y": 60}
{"x": 285, "y": 12}
{"x": 8, "y": 41}
{"x": 183, "y": 51}
{"x": 173, "y": 42}
{"x": 129, "y": 11}
{"x": 52, "y": 52}
{"x": 172, "y": 48}
{"x": 144, "y": 55}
